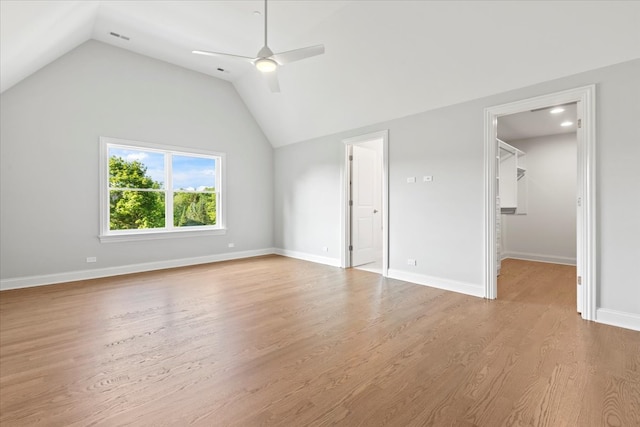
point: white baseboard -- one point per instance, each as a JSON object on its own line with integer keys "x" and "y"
{"x": 620, "y": 319}
{"x": 71, "y": 276}
{"x": 334, "y": 262}
{"x": 539, "y": 258}
{"x": 437, "y": 282}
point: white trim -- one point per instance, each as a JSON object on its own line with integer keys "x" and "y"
{"x": 620, "y": 319}
{"x": 127, "y": 143}
{"x": 345, "y": 259}
{"x": 345, "y": 223}
{"x": 586, "y": 253}
{"x": 152, "y": 234}
{"x": 334, "y": 262}
{"x": 72, "y": 276}
{"x": 438, "y": 282}
{"x": 169, "y": 231}
{"x": 553, "y": 259}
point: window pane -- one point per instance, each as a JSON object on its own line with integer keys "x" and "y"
{"x": 135, "y": 168}
{"x": 130, "y": 209}
{"x": 194, "y": 209}
{"x": 193, "y": 173}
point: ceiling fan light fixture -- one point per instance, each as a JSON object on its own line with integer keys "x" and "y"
{"x": 268, "y": 62}
{"x": 266, "y": 65}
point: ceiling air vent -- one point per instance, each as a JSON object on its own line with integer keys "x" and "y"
{"x": 120, "y": 36}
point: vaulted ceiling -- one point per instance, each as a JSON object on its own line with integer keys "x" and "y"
{"x": 383, "y": 60}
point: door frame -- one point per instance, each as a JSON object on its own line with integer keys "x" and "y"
{"x": 586, "y": 187}
{"x": 345, "y": 222}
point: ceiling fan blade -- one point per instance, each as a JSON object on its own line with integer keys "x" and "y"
{"x": 298, "y": 54}
{"x": 272, "y": 81}
{"x": 204, "y": 52}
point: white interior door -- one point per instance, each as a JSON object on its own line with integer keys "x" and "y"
{"x": 579, "y": 216}
{"x": 499, "y": 237}
{"x": 363, "y": 190}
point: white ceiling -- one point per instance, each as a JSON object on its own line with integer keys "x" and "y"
{"x": 533, "y": 124}
{"x": 383, "y": 60}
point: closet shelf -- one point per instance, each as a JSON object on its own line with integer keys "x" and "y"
{"x": 510, "y": 174}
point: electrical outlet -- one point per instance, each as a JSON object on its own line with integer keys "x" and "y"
{"x": 325, "y": 249}
{"x": 92, "y": 259}
{"x": 411, "y": 180}
{"x": 232, "y": 245}
{"x": 427, "y": 178}
{"x": 411, "y": 262}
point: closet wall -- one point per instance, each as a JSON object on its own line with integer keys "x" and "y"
{"x": 547, "y": 232}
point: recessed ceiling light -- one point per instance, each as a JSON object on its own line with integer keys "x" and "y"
{"x": 565, "y": 124}
{"x": 557, "y": 110}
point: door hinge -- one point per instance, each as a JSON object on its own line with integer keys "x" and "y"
{"x": 579, "y": 123}
{"x": 579, "y": 280}
{"x": 350, "y": 158}
{"x": 350, "y": 247}
{"x": 579, "y": 201}
{"x": 350, "y": 202}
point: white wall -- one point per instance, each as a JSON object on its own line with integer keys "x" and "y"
{"x": 51, "y": 123}
{"x": 440, "y": 223}
{"x": 419, "y": 145}
{"x": 308, "y": 199}
{"x": 548, "y": 231}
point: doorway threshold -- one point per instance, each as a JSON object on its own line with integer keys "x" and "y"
{"x": 373, "y": 267}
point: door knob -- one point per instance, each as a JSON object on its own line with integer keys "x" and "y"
{"x": 375, "y": 211}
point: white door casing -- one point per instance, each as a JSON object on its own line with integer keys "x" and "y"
{"x": 382, "y": 136}
{"x": 586, "y": 191}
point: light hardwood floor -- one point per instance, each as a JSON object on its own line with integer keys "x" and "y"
{"x": 278, "y": 341}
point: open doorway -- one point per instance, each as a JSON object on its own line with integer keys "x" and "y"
{"x": 365, "y": 206}
{"x": 584, "y": 201}
{"x": 536, "y": 224}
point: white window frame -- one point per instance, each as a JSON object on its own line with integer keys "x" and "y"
{"x": 169, "y": 231}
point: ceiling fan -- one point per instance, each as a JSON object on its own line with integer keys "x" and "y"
{"x": 268, "y": 62}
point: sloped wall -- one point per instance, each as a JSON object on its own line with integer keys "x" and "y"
{"x": 51, "y": 123}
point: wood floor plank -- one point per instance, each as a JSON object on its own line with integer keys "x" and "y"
{"x": 278, "y": 341}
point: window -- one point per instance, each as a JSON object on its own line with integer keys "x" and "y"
{"x": 153, "y": 191}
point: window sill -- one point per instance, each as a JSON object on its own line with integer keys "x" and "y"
{"x": 156, "y": 235}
